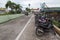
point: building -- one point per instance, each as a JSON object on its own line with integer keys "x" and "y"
{"x": 36, "y": 9}
{"x": 51, "y": 9}
{"x": 2, "y": 10}
{"x": 52, "y": 12}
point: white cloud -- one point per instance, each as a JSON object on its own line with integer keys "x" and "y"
{"x": 34, "y": 3}
{"x": 53, "y": 3}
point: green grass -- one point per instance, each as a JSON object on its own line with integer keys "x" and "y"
{"x": 8, "y": 17}
{"x": 56, "y": 23}
{"x": 6, "y": 14}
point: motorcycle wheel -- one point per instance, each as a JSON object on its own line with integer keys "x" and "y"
{"x": 39, "y": 32}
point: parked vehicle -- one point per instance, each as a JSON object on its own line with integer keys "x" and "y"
{"x": 44, "y": 25}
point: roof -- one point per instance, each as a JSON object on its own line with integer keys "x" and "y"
{"x": 35, "y": 9}
{"x": 51, "y": 9}
{"x": 2, "y": 9}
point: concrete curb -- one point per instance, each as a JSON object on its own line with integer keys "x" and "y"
{"x": 57, "y": 36}
{"x": 57, "y": 29}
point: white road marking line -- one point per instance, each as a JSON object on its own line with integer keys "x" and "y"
{"x": 19, "y": 35}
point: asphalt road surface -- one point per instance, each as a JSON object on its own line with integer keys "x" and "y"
{"x": 29, "y": 33}
{"x": 10, "y": 30}
{"x": 22, "y": 28}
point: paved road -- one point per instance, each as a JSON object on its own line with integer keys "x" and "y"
{"x": 29, "y": 33}
{"x": 10, "y": 30}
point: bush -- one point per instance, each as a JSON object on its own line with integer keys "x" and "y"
{"x": 18, "y": 11}
{"x": 11, "y": 12}
{"x": 28, "y": 9}
{"x": 56, "y": 23}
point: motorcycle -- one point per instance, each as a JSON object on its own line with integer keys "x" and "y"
{"x": 26, "y": 13}
{"x": 44, "y": 25}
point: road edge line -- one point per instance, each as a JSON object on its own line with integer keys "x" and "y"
{"x": 19, "y": 35}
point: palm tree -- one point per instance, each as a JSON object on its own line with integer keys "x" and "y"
{"x": 10, "y": 5}
{"x": 29, "y": 5}
{"x": 14, "y": 7}
{"x": 28, "y": 9}
{"x": 18, "y": 8}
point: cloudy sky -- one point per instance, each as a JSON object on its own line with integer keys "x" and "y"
{"x": 34, "y": 3}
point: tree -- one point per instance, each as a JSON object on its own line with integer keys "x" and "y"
{"x": 18, "y": 8}
{"x": 10, "y": 5}
{"x": 27, "y": 9}
{"x": 29, "y": 5}
{"x": 43, "y": 5}
{"x": 15, "y": 8}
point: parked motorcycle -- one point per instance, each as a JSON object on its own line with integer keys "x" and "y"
{"x": 44, "y": 25}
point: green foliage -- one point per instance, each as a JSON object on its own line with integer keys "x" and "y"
{"x": 18, "y": 11}
{"x": 56, "y": 23}
{"x": 27, "y": 9}
{"x": 11, "y": 12}
{"x": 15, "y": 8}
{"x": 8, "y": 4}
{"x": 18, "y": 8}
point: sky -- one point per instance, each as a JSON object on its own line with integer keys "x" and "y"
{"x": 34, "y": 3}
